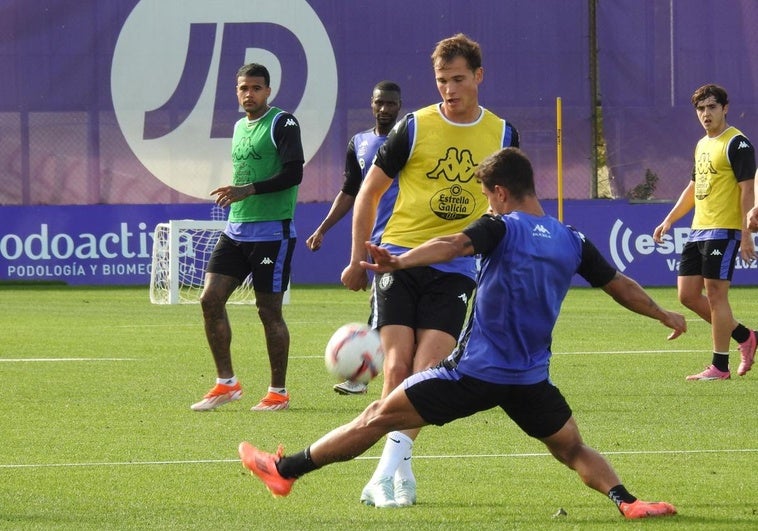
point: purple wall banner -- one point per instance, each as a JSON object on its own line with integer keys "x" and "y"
{"x": 133, "y": 102}
{"x": 116, "y": 116}
{"x": 112, "y": 244}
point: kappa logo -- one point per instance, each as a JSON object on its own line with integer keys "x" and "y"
{"x": 716, "y": 252}
{"x": 463, "y": 298}
{"x": 267, "y": 261}
{"x": 179, "y": 125}
{"x": 456, "y": 166}
{"x": 290, "y": 123}
{"x": 245, "y": 150}
{"x": 541, "y": 232}
{"x": 743, "y": 144}
{"x": 704, "y": 165}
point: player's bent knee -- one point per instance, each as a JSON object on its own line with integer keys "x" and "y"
{"x": 375, "y": 417}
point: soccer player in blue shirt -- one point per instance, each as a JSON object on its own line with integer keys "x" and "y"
{"x": 528, "y": 260}
{"x": 361, "y": 150}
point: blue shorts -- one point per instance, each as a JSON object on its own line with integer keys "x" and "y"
{"x": 442, "y": 394}
{"x": 269, "y": 262}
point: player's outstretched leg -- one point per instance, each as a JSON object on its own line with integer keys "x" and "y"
{"x": 644, "y": 509}
{"x": 263, "y": 465}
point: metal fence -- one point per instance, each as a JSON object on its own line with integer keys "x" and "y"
{"x": 132, "y": 102}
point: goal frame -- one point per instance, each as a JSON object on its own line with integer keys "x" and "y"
{"x": 167, "y": 289}
{"x": 174, "y": 230}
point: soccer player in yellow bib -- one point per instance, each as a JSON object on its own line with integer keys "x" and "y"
{"x": 721, "y": 192}
{"x": 433, "y": 153}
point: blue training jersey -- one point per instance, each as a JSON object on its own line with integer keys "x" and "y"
{"x": 363, "y": 147}
{"x": 522, "y": 283}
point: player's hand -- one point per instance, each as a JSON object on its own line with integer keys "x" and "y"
{"x": 314, "y": 241}
{"x": 676, "y": 322}
{"x": 383, "y": 261}
{"x": 354, "y": 277}
{"x": 661, "y": 231}
{"x": 747, "y": 247}
{"x": 752, "y": 219}
{"x": 226, "y": 195}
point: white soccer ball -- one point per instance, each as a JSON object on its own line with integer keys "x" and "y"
{"x": 355, "y": 353}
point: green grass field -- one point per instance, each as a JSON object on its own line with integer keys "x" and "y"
{"x": 96, "y": 430}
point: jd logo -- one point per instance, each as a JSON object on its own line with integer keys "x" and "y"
{"x": 172, "y": 81}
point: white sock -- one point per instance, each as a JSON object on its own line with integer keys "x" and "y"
{"x": 397, "y": 446}
{"x": 280, "y": 390}
{"x": 404, "y": 470}
{"x": 227, "y": 381}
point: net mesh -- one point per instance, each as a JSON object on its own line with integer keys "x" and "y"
{"x": 186, "y": 263}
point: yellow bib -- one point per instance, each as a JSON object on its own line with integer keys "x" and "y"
{"x": 717, "y": 194}
{"x": 438, "y": 194}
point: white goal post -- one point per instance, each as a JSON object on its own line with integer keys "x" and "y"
{"x": 181, "y": 250}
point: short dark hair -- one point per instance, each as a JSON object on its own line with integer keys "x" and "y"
{"x": 390, "y": 86}
{"x": 254, "y": 70}
{"x": 509, "y": 168}
{"x": 459, "y": 45}
{"x": 707, "y": 91}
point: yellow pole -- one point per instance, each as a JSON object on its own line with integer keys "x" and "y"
{"x": 559, "y": 147}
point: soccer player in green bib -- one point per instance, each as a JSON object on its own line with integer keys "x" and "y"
{"x": 259, "y": 238}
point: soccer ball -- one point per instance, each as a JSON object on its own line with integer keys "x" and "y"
{"x": 355, "y": 353}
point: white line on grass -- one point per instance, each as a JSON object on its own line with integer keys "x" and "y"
{"x": 666, "y": 351}
{"x": 318, "y": 356}
{"x": 459, "y": 456}
{"x": 22, "y": 360}
{"x": 601, "y": 352}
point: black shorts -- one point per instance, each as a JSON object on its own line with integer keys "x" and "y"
{"x": 422, "y": 298}
{"x": 269, "y": 262}
{"x": 442, "y": 394}
{"x": 712, "y": 259}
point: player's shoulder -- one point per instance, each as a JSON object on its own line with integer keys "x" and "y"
{"x": 491, "y": 114}
{"x": 741, "y": 141}
{"x": 575, "y": 231}
{"x": 510, "y": 132}
{"x": 285, "y": 123}
{"x": 285, "y": 118}
{"x": 487, "y": 114}
{"x": 429, "y": 110}
{"x": 365, "y": 133}
{"x": 288, "y": 118}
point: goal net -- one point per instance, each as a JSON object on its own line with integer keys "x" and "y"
{"x": 181, "y": 250}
